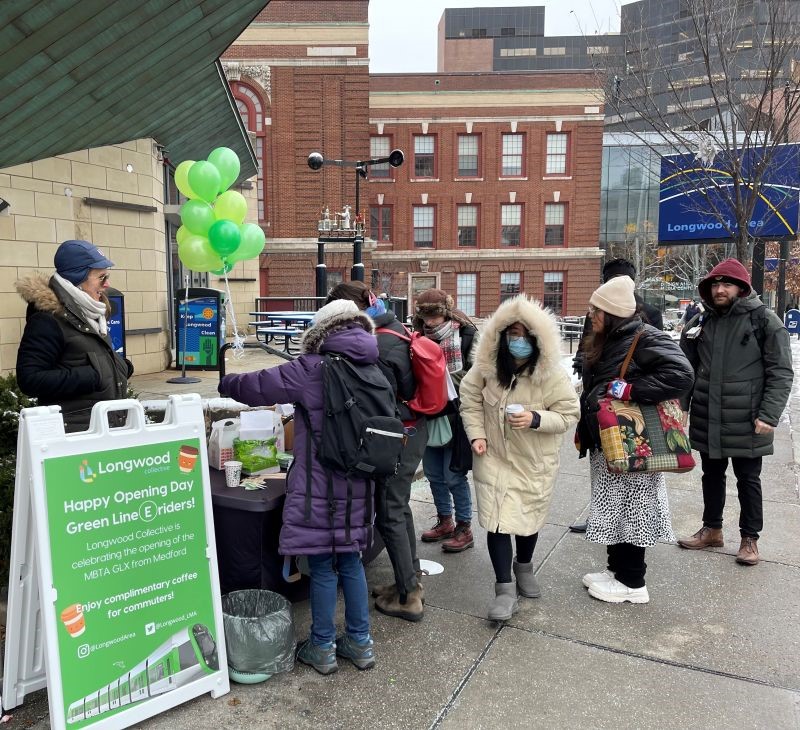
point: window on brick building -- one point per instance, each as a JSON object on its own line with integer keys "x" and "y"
{"x": 424, "y": 222}
{"x": 251, "y": 110}
{"x": 513, "y": 146}
{"x": 467, "y": 225}
{"x": 335, "y": 277}
{"x": 554, "y": 291}
{"x": 380, "y": 222}
{"x": 509, "y": 285}
{"x": 424, "y": 155}
{"x": 510, "y": 224}
{"x": 555, "y": 224}
{"x": 380, "y": 146}
{"x": 467, "y": 293}
{"x": 469, "y": 155}
{"x": 557, "y": 145}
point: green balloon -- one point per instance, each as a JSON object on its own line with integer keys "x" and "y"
{"x": 182, "y": 179}
{"x": 204, "y": 180}
{"x": 227, "y": 267}
{"x": 231, "y": 206}
{"x": 197, "y": 216}
{"x": 227, "y": 163}
{"x": 197, "y": 255}
{"x": 252, "y": 244}
{"x": 182, "y": 234}
{"x": 224, "y": 237}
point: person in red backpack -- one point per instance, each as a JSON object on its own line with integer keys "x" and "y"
{"x": 436, "y": 317}
{"x": 393, "y": 518}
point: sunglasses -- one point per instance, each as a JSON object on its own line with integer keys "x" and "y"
{"x": 103, "y": 278}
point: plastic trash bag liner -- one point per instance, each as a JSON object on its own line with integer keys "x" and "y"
{"x": 259, "y": 632}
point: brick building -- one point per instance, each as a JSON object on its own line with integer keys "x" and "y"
{"x": 499, "y": 192}
{"x": 300, "y": 75}
{"x": 500, "y": 189}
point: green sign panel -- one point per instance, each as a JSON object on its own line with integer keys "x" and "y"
{"x": 134, "y": 609}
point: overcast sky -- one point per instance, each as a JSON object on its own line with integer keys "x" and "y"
{"x": 402, "y": 33}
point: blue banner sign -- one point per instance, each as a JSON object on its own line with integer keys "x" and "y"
{"x": 696, "y": 202}
{"x": 792, "y": 321}
{"x": 116, "y": 321}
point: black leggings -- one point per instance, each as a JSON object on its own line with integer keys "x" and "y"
{"x": 501, "y": 555}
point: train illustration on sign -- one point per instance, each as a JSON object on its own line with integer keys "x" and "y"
{"x": 187, "y": 655}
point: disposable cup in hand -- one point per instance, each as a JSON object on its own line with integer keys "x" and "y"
{"x": 513, "y": 408}
{"x": 233, "y": 473}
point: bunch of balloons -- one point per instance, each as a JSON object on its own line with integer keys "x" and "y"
{"x": 214, "y": 236}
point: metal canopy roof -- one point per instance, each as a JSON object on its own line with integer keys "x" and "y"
{"x": 76, "y": 74}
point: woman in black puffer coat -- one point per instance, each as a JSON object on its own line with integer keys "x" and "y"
{"x": 65, "y": 357}
{"x": 629, "y": 512}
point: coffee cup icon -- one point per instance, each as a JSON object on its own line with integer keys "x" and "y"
{"x": 187, "y": 457}
{"x": 72, "y": 616}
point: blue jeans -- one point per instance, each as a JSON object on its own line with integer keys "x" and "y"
{"x": 444, "y": 483}
{"x": 324, "y": 583}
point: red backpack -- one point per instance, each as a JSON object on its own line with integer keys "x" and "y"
{"x": 430, "y": 372}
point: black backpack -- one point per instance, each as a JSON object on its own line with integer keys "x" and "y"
{"x": 361, "y": 433}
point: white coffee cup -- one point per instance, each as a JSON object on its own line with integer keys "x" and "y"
{"x": 233, "y": 473}
{"x": 514, "y": 408}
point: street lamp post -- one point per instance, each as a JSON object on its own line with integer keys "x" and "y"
{"x": 315, "y": 162}
{"x": 784, "y": 245}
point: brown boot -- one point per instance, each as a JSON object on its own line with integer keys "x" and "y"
{"x": 461, "y": 540}
{"x": 748, "y": 551}
{"x": 444, "y": 528}
{"x": 410, "y": 610}
{"x": 390, "y": 588}
{"x": 703, "y": 538}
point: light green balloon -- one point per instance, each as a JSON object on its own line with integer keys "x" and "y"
{"x": 226, "y": 268}
{"x": 182, "y": 234}
{"x": 231, "y": 206}
{"x": 252, "y": 242}
{"x": 182, "y": 179}
{"x": 204, "y": 180}
{"x": 227, "y": 163}
{"x": 197, "y": 216}
{"x": 197, "y": 255}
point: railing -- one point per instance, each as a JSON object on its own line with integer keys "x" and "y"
{"x": 571, "y": 329}
{"x": 290, "y": 304}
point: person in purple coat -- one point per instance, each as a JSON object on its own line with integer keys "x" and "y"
{"x": 311, "y": 529}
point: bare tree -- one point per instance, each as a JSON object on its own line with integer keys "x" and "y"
{"x": 720, "y": 82}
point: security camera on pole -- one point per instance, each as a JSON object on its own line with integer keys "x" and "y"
{"x": 354, "y": 234}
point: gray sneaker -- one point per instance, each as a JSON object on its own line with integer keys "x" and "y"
{"x": 362, "y": 655}
{"x": 322, "y": 658}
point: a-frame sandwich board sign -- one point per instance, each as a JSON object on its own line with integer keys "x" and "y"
{"x": 121, "y": 564}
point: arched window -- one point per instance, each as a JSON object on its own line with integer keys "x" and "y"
{"x": 251, "y": 110}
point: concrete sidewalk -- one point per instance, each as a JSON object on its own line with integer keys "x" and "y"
{"x": 718, "y": 645}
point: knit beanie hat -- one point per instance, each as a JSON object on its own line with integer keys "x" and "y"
{"x": 729, "y": 270}
{"x": 339, "y": 310}
{"x": 615, "y": 297}
{"x": 74, "y": 260}
{"x": 433, "y": 302}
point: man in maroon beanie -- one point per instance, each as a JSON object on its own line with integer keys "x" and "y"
{"x": 743, "y": 376}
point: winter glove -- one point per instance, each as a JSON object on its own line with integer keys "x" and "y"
{"x": 619, "y": 389}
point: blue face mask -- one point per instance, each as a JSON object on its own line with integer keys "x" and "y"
{"x": 519, "y": 347}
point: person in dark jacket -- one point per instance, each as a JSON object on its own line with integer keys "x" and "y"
{"x": 321, "y": 535}
{"x": 742, "y": 358}
{"x": 647, "y": 312}
{"x": 629, "y": 512}
{"x": 65, "y": 357}
{"x": 393, "y": 517}
{"x": 438, "y": 319}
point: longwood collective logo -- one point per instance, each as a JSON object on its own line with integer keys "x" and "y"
{"x": 87, "y": 475}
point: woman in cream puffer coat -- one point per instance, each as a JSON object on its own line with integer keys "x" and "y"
{"x": 516, "y": 456}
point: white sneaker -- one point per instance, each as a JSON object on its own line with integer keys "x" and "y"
{"x": 603, "y": 577}
{"x": 613, "y": 591}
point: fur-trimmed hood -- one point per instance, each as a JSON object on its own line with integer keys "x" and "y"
{"x": 35, "y": 289}
{"x": 540, "y": 322}
{"x": 316, "y": 335}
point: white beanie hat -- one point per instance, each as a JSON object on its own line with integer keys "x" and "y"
{"x": 615, "y": 297}
{"x": 338, "y": 309}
